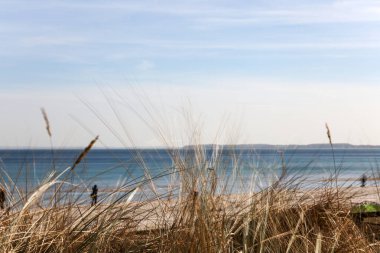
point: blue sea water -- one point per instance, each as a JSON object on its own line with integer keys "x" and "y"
{"x": 109, "y": 168}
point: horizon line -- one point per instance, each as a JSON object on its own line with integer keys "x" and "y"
{"x": 327, "y": 145}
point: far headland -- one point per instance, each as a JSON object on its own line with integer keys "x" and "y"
{"x": 292, "y": 146}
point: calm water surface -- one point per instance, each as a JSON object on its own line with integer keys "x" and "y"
{"x": 109, "y": 168}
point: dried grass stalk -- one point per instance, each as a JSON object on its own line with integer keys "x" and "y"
{"x": 84, "y": 152}
{"x": 46, "y": 119}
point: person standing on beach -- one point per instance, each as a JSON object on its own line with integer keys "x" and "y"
{"x": 94, "y": 195}
{"x": 2, "y": 198}
{"x": 363, "y": 180}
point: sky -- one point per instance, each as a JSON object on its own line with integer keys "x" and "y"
{"x": 156, "y": 73}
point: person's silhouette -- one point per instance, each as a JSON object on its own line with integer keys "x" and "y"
{"x": 94, "y": 195}
{"x": 363, "y": 180}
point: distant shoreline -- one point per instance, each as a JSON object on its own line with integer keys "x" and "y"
{"x": 210, "y": 146}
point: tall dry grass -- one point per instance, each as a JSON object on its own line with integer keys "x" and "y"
{"x": 200, "y": 218}
{"x": 198, "y": 213}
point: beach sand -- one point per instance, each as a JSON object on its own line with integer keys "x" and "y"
{"x": 150, "y": 214}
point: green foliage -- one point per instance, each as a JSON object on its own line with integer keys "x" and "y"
{"x": 366, "y": 208}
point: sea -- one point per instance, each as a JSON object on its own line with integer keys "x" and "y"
{"x": 238, "y": 170}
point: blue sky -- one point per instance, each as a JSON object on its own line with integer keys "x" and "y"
{"x": 290, "y": 65}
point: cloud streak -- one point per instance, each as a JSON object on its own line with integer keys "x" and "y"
{"x": 53, "y": 41}
{"x": 212, "y": 12}
{"x": 241, "y": 13}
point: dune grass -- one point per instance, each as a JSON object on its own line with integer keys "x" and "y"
{"x": 197, "y": 213}
{"x": 199, "y": 217}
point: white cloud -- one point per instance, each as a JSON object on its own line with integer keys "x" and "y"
{"x": 241, "y": 13}
{"x": 52, "y": 40}
{"x": 145, "y": 65}
{"x": 310, "y": 13}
